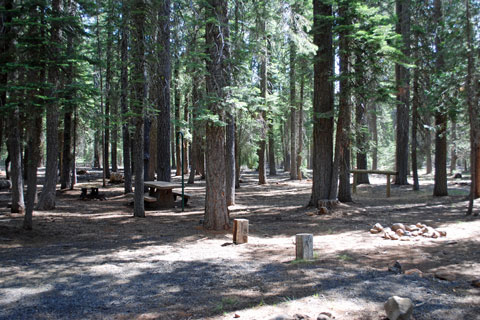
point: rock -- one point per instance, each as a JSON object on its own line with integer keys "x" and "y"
{"x": 301, "y": 317}
{"x": 476, "y": 283}
{"x": 420, "y": 225}
{"x": 411, "y": 227}
{"x": 236, "y": 315}
{"x": 282, "y": 317}
{"x": 324, "y": 316}
{"x": 398, "y": 308}
{"x": 414, "y": 271}
{"x": 445, "y": 275}
{"x": 375, "y": 231}
{"x": 442, "y": 233}
{"x": 378, "y": 227}
{"x": 310, "y": 213}
{"x": 397, "y": 226}
{"x": 457, "y": 176}
{"x": 394, "y": 236}
{"x": 400, "y": 232}
{"x": 407, "y": 234}
{"x": 396, "y": 268}
{"x": 386, "y": 235}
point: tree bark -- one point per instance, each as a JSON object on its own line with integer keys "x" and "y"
{"x": 453, "y": 150}
{"x": 440, "y": 186}
{"x": 218, "y": 75}
{"x": 473, "y": 113}
{"x": 300, "y": 123}
{"x": 272, "y": 170}
{"x": 230, "y": 157}
{"x": 374, "y": 135}
{"x": 48, "y": 195}
{"x": 127, "y": 170}
{"x": 15, "y": 151}
{"x": 163, "y": 81}
{"x": 138, "y": 75}
{"x": 65, "y": 178}
{"x": 342, "y": 147}
{"x": 176, "y": 90}
{"x": 323, "y": 112}
{"x": 415, "y": 116}
{"x": 37, "y": 76}
{"x": 293, "y": 114}
{"x": 402, "y": 77}
{"x": 262, "y": 176}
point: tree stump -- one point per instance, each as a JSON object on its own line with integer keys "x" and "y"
{"x": 240, "y": 231}
{"x": 304, "y": 246}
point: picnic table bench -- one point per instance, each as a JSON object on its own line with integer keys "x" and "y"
{"x": 161, "y": 194}
{"x": 93, "y": 191}
{"x": 359, "y": 171}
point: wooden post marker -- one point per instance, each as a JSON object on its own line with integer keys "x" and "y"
{"x": 240, "y": 231}
{"x": 304, "y": 246}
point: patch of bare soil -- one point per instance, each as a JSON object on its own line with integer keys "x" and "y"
{"x": 92, "y": 259}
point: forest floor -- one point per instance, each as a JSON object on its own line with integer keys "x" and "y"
{"x": 93, "y": 260}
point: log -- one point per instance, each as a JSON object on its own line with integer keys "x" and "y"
{"x": 304, "y": 246}
{"x": 240, "y": 231}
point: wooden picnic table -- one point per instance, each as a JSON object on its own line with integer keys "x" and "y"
{"x": 386, "y": 172}
{"x": 160, "y": 194}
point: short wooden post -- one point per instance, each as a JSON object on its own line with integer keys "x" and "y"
{"x": 240, "y": 231}
{"x": 304, "y": 246}
{"x": 388, "y": 186}
{"x": 354, "y": 187}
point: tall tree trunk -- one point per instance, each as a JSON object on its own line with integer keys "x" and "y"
{"x": 15, "y": 151}
{"x": 218, "y": 75}
{"x": 138, "y": 77}
{"x": 440, "y": 186}
{"x": 428, "y": 145}
{"x": 342, "y": 147}
{"x": 96, "y": 150}
{"x": 323, "y": 112}
{"x": 163, "y": 81}
{"x": 48, "y": 195}
{"x": 300, "y": 122}
{"x": 176, "y": 90}
{"x": 372, "y": 117}
{"x": 73, "y": 178}
{"x": 37, "y": 75}
{"x": 473, "y": 113}
{"x": 230, "y": 157}
{"x": 286, "y": 145}
{"x": 262, "y": 176}
{"x": 402, "y": 78}
{"x": 65, "y": 180}
{"x": 415, "y": 116}
{"x": 197, "y": 138}
{"x": 100, "y": 75}
{"x": 453, "y": 150}
{"x": 147, "y": 124}
{"x": 127, "y": 170}
{"x": 108, "y": 86}
{"x": 271, "y": 150}
{"x": 185, "y": 141}
{"x": 293, "y": 107}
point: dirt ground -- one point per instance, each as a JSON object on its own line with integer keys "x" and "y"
{"x": 92, "y": 259}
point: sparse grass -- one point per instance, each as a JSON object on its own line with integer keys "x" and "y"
{"x": 345, "y": 257}
{"x": 302, "y": 261}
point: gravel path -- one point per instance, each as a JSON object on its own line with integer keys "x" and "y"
{"x": 75, "y": 281}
